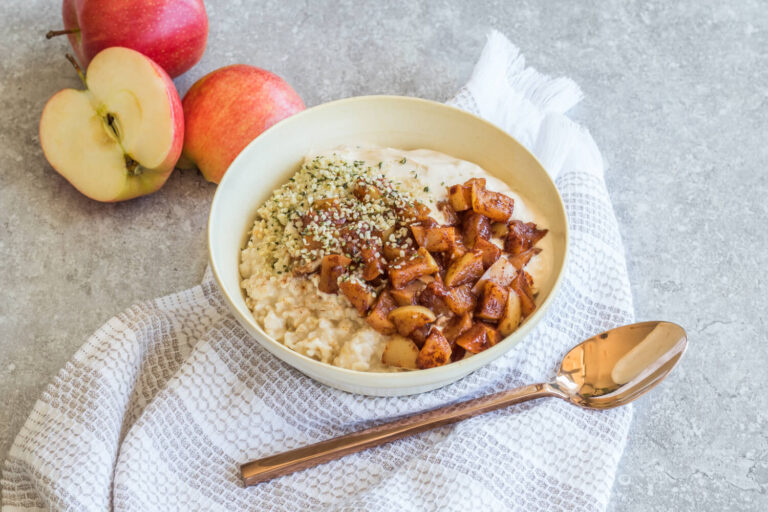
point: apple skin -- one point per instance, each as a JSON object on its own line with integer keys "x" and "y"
{"x": 228, "y": 108}
{"x": 177, "y": 121}
{"x": 150, "y": 180}
{"x": 173, "y": 33}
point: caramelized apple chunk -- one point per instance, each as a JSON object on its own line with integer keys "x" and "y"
{"x": 408, "y": 318}
{"x": 358, "y": 293}
{"x": 365, "y": 192}
{"x": 499, "y": 229}
{"x": 460, "y": 198}
{"x": 474, "y": 226}
{"x": 435, "y": 352}
{"x": 477, "y": 338}
{"x": 522, "y": 236}
{"x": 449, "y": 214}
{"x": 502, "y": 272}
{"x": 490, "y": 305}
{"x": 407, "y": 295}
{"x": 522, "y": 285}
{"x": 490, "y": 251}
{"x": 435, "y": 239}
{"x": 456, "y": 250}
{"x": 331, "y": 267}
{"x": 522, "y": 259}
{"x": 404, "y": 270}
{"x": 457, "y": 326}
{"x": 512, "y": 314}
{"x": 400, "y": 352}
{"x": 378, "y": 317}
{"x": 373, "y": 266}
{"x": 419, "y": 334}
{"x": 434, "y": 296}
{"x": 466, "y": 269}
{"x": 493, "y": 205}
{"x": 461, "y": 299}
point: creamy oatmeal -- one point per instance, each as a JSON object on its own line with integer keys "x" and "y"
{"x": 379, "y": 230}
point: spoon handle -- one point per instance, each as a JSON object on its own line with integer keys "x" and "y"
{"x": 305, "y": 457}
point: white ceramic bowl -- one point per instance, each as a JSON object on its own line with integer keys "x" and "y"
{"x": 400, "y": 122}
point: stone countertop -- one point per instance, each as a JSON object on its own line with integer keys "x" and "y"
{"x": 676, "y": 98}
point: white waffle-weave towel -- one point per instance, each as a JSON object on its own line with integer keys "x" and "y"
{"x": 160, "y": 406}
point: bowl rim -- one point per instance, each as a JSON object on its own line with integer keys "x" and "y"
{"x": 391, "y": 379}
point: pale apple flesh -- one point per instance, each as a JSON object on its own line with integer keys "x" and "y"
{"x": 119, "y": 138}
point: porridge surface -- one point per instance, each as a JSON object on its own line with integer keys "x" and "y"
{"x": 290, "y": 307}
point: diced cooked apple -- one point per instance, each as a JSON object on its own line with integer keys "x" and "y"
{"x": 435, "y": 239}
{"x": 457, "y": 250}
{"x": 378, "y": 317}
{"x": 493, "y": 205}
{"x": 326, "y": 203}
{"x": 373, "y": 267}
{"x": 413, "y": 213}
{"x": 522, "y": 236}
{"x": 359, "y": 294}
{"x": 512, "y": 314}
{"x": 475, "y": 225}
{"x": 365, "y": 192}
{"x": 461, "y": 299}
{"x": 491, "y": 304}
{"x": 408, "y": 318}
{"x": 480, "y": 182}
{"x": 406, "y": 295}
{"x": 331, "y": 267}
{"x": 499, "y": 229}
{"x": 435, "y": 352}
{"x": 434, "y": 296}
{"x": 431, "y": 278}
{"x": 393, "y": 250}
{"x": 457, "y": 353}
{"x": 404, "y": 270}
{"x": 477, "y": 338}
{"x": 449, "y": 214}
{"x": 467, "y": 269}
{"x": 428, "y": 222}
{"x": 419, "y": 334}
{"x": 473, "y": 339}
{"x": 502, "y": 272}
{"x": 400, "y": 352}
{"x": 522, "y": 259}
{"x": 456, "y": 326}
{"x": 324, "y": 211}
{"x": 492, "y": 334}
{"x": 522, "y": 286}
{"x": 460, "y": 198}
{"x": 311, "y": 243}
{"x": 490, "y": 251}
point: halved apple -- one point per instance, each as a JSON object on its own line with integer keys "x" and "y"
{"x": 121, "y": 137}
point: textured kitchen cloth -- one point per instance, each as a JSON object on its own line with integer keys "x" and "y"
{"x": 160, "y": 406}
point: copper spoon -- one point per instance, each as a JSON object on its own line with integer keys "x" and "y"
{"x": 607, "y": 370}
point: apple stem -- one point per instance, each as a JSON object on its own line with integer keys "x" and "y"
{"x": 77, "y": 67}
{"x": 54, "y": 33}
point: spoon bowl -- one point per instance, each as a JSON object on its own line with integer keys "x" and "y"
{"x": 617, "y": 366}
{"x": 607, "y": 370}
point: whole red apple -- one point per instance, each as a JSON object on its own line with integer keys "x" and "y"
{"x": 172, "y": 33}
{"x": 227, "y": 109}
{"x": 121, "y": 136}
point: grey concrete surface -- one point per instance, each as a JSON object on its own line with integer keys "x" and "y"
{"x": 676, "y": 97}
